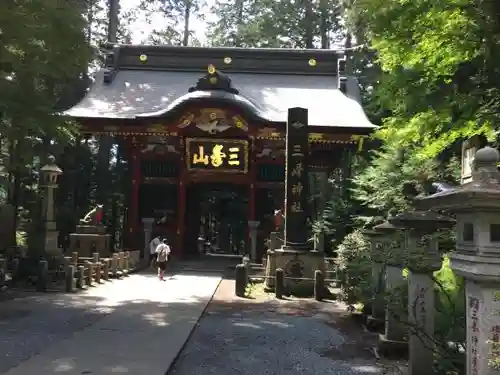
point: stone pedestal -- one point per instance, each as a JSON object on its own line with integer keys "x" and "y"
{"x": 298, "y": 266}
{"x": 147, "y": 223}
{"x": 90, "y": 239}
{"x": 377, "y": 317}
{"x": 394, "y": 338}
{"x": 395, "y": 330}
{"x": 483, "y": 326}
{"x": 252, "y": 226}
{"x": 423, "y": 260}
{"x": 421, "y": 320}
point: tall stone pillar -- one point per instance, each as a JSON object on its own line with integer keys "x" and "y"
{"x": 147, "y": 223}
{"x": 49, "y": 174}
{"x": 476, "y": 205}
{"x": 252, "y": 232}
{"x": 395, "y": 334}
{"x": 423, "y": 260}
{"x": 297, "y": 257}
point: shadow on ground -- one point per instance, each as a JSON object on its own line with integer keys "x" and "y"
{"x": 140, "y": 311}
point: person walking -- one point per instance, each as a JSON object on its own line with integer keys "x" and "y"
{"x": 162, "y": 253}
{"x": 153, "y": 244}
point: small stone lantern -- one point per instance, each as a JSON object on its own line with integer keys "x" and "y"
{"x": 476, "y": 205}
{"x": 48, "y": 180}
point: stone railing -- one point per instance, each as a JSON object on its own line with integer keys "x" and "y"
{"x": 70, "y": 272}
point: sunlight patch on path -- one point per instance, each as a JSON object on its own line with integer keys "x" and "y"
{"x": 148, "y": 323}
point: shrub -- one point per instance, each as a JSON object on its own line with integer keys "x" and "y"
{"x": 353, "y": 257}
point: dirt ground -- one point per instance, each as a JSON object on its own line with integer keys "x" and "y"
{"x": 357, "y": 349}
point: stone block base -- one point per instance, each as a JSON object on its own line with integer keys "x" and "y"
{"x": 374, "y": 324}
{"x": 91, "y": 229}
{"x": 392, "y": 348}
{"x": 299, "y": 267}
{"x": 86, "y": 244}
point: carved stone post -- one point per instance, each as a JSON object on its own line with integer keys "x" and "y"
{"x": 105, "y": 269}
{"x": 394, "y": 337}
{"x": 377, "y": 316}
{"x": 252, "y": 226}
{"x": 114, "y": 265}
{"x": 90, "y": 275}
{"x": 423, "y": 260}
{"x": 476, "y": 205}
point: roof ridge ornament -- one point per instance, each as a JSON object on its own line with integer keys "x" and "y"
{"x": 111, "y": 56}
{"x": 214, "y": 80}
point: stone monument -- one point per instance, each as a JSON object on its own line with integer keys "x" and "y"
{"x": 48, "y": 175}
{"x": 297, "y": 257}
{"x": 476, "y": 205}
{"x": 90, "y": 236}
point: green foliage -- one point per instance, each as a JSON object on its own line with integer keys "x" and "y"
{"x": 353, "y": 257}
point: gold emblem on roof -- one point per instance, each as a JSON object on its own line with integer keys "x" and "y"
{"x": 312, "y": 62}
{"x": 211, "y": 69}
{"x": 143, "y": 58}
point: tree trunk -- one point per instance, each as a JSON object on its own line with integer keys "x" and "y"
{"x": 309, "y": 27}
{"x": 187, "y": 15}
{"x": 239, "y": 4}
{"x": 324, "y": 25}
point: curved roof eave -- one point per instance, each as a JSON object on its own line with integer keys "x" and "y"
{"x": 219, "y": 95}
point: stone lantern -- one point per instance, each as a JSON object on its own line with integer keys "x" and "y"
{"x": 423, "y": 259}
{"x": 476, "y": 205}
{"x": 48, "y": 181}
{"x": 394, "y": 337}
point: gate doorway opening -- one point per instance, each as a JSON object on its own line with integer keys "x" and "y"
{"x": 217, "y": 213}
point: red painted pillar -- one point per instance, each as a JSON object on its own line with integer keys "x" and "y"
{"x": 134, "y": 196}
{"x": 181, "y": 208}
{"x": 252, "y": 170}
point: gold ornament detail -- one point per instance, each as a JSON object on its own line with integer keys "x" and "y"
{"x": 228, "y": 60}
{"x": 143, "y": 58}
{"x": 312, "y": 62}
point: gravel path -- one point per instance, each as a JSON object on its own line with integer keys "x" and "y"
{"x": 263, "y": 343}
{"x": 29, "y": 325}
{"x": 267, "y": 338}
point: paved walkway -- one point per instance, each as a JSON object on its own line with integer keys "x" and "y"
{"x": 136, "y": 326}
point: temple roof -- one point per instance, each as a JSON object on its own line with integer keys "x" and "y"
{"x": 147, "y": 81}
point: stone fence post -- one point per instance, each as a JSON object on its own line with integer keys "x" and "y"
{"x": 274, "y": 243}
{"x": 423, "y": 261}
{"x": 476, "y": 205}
